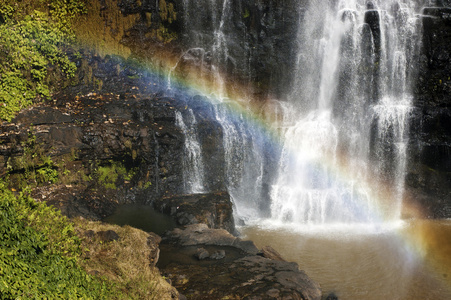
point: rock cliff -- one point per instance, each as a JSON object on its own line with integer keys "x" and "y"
{"x": 429, "y": 172}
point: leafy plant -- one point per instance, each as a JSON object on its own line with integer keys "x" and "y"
{"x": 33, "y": 34}
{"x": 39, "y": 253}
{"x": 109, "y": 174}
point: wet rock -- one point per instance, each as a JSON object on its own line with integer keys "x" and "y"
{"x": 211, "y": 141}
{"x": 201, "y": 254}
{"x": 212, "y": 209}
{"x": 201, "y": 234}
{"x": 428, "y": 180}
{"x": 218, "y": 254}
{"x": 153, "y": 242}
{"x": 331, "y": 296}
{"x": 244, "y": 276}
{"x": 271, "y": 253}
{"x": 238, "y": 275}
{"x": 370, "y": 5}
{"x": 372, "y": 19}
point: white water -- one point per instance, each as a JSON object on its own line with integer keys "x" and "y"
{"x": 343, "y": 128}
{"x": 243, "y": 145}
{"x": 334, "y": 194}
{"x": 244, "y": 159}
{"x": 193, "y": 167}
{"x": 347, "y": 149}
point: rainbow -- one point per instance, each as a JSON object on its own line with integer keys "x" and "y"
{"x": 423, "y": 238}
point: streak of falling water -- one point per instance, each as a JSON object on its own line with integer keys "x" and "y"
{"x": 196, "y": 55}
{"x": 193, "y": 167}
{"x": 220, "y": 50}
{"x": 244, "y": 161}
{"x": 243, "y": 145}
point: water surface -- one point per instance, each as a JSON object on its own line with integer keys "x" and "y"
{"x": 406, "y": 260}
{"x": 141, "y": 216}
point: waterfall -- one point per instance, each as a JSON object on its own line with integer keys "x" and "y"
{"x": 209, "y": 52}
{"x": 343, "y": 130}
{"x": 343, "y": 160}
{"x": 244, "y": 147}
{"x": 244, "y": 161}
{"x": 193, "y": 167}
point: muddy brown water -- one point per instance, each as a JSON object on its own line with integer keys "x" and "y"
{"x": 408, "y": 260}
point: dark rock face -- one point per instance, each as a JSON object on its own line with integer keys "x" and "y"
{"x": 115, "y": 147}
{"x": 263, "y": 39}
{"x": 429, "y": 174}
{"x": 102, "y": 131}
{"x": 257, "y": 51}
{"x": 257, "y": 36}
{"x": 236, "y": 272}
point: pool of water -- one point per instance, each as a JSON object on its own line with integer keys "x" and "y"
{"x": 143, "y": 217}
{"x": 404, "y": 260}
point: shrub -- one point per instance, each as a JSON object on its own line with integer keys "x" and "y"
{"x": 39, "y": 253}
{"x": 109, "y": 174}
{"x": 32, "y": 39}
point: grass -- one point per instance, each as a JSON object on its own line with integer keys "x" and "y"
{"x": 124, "y": 262}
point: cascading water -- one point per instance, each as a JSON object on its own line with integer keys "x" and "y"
{"x": 344, "y": 134}
{"x": 352, "y": 94}
{"x": 244, "y": 162}
{"x": 340, "y": 153}
{"x": 193, "y": 167}
{"x": 209, "y": 42}
{"x": 243, "y": 145}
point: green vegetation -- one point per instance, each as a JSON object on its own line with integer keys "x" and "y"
{"x": 33, "y": 167}
{"x": 33, "y": 34}
{"x": 167, "y": 16}
{"x": 109, "y": 174}
{"x": 41, "y": 256}
{"x": 39, "y": 253}
{"x": 61, "y": 11}
{"x": 246, "y": 13}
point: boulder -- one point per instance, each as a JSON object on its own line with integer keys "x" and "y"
{"x": 271, "y": 253}
{"x": 201, "y": 253}
{"x": 201, "y": 234}
{"x": 213, "y": 209}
